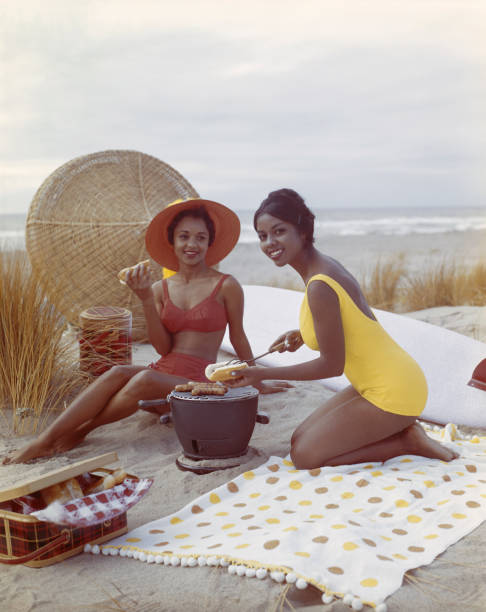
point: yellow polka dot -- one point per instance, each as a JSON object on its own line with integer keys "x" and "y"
{"x": 305, "y": 502}
{"x": 214, "y": 498}
{"x": 292, "y": 471}
{"x": 242, "y": 546}
{"x": 369, "y": 582}
{"x": 405, "y": 461}
{"x": 458, "y": 515}
{"x": 248, "y": 475}
{"x": 349, "y": 546}
{"x": 401, "y": 503}
{"x": 347, "y": 495}
{"x": 413, "y": 518}
{"x": 389, "y": 488}
{"x": 273, "y": 521}
{"x": 181, "y": 536}
{"x": 228, "y": 526}
{"x": 431, "y": 536}
{"x": 287, "y": 462}
{"x": 377, "y": 473}
{"x": 254, "y": 495}
{"x": 358, "y": 510}
{"x": 429, "y": 483}
{"x": 302, "y": 554}
{"x": 316, "y": 516}
{"x": 442, "y": 502}
{"x": 233, "y": 535}
{"x": 386, "y": 538}
{"x": 175, "y": 520}
{"x": 336, "y": 478}
{"x": 295, "y": 484}
{"x": 186, "y": 546}
{"x": 338, "y": 526}
{"x": 263, "y": 507}
{"x": 419, "y": 472}
{"x": 291, "y": 529}
{"x": 133, "y": 540}
{"x": 398, "y": 556}
{"x": 369, "y": 466}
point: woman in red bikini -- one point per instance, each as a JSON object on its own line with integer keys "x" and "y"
{"x": 186, "y": 320}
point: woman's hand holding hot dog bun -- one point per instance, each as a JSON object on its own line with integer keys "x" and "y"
{"x": 139, "y": 280}
{"x": 293, "y": 341}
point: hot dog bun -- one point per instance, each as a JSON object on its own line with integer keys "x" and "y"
{"x": 62, "y": 492}
{"x": 122, "y": 275}
{"x": 219, "y": 372}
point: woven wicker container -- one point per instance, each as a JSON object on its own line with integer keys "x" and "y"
{"x": 88, "y": 220}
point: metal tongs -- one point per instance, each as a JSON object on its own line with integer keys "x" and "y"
{"x": 277, "y": 347}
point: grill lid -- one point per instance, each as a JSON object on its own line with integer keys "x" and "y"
{"x": 230, "y": 396}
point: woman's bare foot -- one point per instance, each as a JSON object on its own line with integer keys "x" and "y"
{"x": 417, "y": 442}
{"x": 34, "y": 450}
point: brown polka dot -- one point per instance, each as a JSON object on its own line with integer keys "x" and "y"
{"x": 457, "y": 492}
{"x": 281, "y": 498}
{"x": 320, "y": 539}
{"x": 207, "y": 536}
{"x": 369, "y": 542}
{"x": 445, "y": 526}
{"x": 253, "y": 527}
{"x": 166, "y": 552}
{"x": 362, "y": 483}
{"x": 196, "y": 509}
{"x": 400, "y": 531}
{"x": 446, "y": 477}
{"x": 215, "y": 545}
{"x": 321, "y": 490}
{"x": 471, "y": 468}
{"x": 332, "y": 506}
{"x": 273, "y": 468}
{"x": 429, "y": 509}
{"x": 383, "y": 558}
{"x": 247, "y": 516}
{"x": 353, "y": 472}
{"x": 232, "y": 487}
{"x": 394, "y": 469}
{"x": 416, "y": 549}
{"x": 416, "y": 494}
{"x": 315, "y": 472}
{"x": 203, "y": 524}
{"x": 156, "y": 531}
{"x": 272, "y": 480}
{"x": 289, "y": 511}
{"x": 472, "y": 504}
{"x": 335, "y": 570}
{"x": 374, "y": 500}
{"x": 354, "y": 523}
{"x": 161, "y": 544}
{"x": 385, "y": 515}
{"x": 404, "y": 479}
{"x": 271, "y": 544}
{"x": 241, "y": 505}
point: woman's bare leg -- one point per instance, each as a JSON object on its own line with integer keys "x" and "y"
{"x": 86, "y": 410}
{"x": 353, "y": 431}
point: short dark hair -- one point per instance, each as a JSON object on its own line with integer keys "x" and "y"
{"x": 198, "y": 212}
{"x": 288, "y": 205}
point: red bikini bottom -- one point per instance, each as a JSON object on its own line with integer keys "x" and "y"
{"x": 181, "y": 364}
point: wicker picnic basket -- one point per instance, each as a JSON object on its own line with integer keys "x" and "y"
{"x": 30, "y": 541}
{"x": 87, "y": 221}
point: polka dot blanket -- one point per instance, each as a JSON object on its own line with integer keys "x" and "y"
{"x": 352, "y": 531}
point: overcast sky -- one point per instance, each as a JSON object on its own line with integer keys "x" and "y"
{"x": 353, "y": 103}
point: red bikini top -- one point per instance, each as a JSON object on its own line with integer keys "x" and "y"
{"x": 207, "y": 316}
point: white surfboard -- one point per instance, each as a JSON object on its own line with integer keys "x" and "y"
{"x": 446, "y": 357}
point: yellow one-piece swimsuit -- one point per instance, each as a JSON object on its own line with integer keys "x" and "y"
{"x": 377, "y": 367}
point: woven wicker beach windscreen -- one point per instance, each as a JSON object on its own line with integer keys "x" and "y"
{"x": 88, "y": 220}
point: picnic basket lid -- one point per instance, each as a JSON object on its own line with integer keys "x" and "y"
{"x": 87, "y": 221}
{"x": 50, "y": 478}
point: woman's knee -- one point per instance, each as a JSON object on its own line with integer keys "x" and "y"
{"x": 303, "y": 455}
{"x": 118, "y": 372}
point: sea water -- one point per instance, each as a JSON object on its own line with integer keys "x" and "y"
{"x": 330, "y": 222}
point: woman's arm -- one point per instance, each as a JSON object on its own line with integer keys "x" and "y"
{"x": 150, "y": 295}
{"x": 326, "y": 314}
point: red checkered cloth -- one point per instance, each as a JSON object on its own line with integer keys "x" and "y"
{"x": 98, "y": 507}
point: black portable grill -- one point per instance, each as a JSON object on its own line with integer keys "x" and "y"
{"x": 212, "y": 428}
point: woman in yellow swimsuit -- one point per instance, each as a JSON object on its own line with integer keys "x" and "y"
{"x": 374, "y": 419}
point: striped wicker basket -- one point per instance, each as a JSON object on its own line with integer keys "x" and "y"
{"x": 87, "y": 221}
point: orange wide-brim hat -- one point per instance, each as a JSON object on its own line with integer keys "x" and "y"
{"x": 226, "y": 232}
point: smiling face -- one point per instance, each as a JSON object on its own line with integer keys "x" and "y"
{"x": 279, "y": 240}
{"x": 191, "y": 241}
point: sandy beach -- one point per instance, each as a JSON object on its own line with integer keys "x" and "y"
{"x": 148, "y": 449}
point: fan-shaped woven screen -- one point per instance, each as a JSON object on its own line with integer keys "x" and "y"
{"x": 88, "y": 220}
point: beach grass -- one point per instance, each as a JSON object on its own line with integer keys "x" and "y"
{"x": 39, "y": 368}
